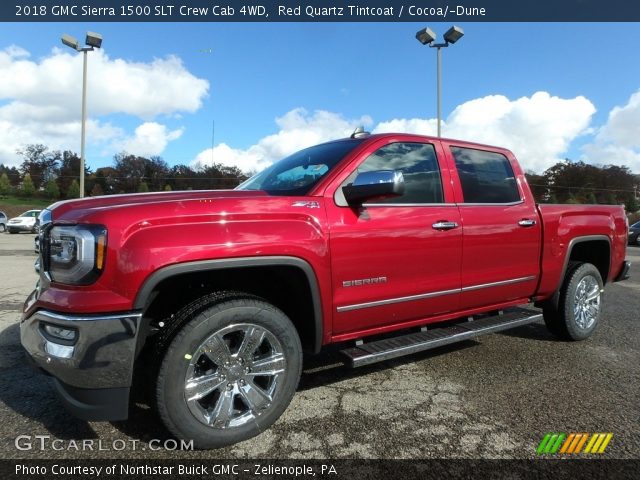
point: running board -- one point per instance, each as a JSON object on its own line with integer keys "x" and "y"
{"x": 380, "y": 350}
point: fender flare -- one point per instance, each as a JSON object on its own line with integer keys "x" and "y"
{"x": 555, "y": 298}
{"x": 153, "y": 280}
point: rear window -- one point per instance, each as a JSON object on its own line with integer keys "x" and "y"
{"x": 486, "y": 177}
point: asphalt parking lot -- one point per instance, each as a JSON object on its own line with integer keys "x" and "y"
{"x": 492, "y": 398}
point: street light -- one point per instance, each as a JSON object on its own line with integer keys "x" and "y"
{"x": 93, "y": 40}
{"x": 426, "y": 37}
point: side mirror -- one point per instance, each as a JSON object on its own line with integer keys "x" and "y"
{"x": 378, "y": 183}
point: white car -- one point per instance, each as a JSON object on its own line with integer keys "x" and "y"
{"x": 26, "y": 222}
{"x": 3, "y": 222}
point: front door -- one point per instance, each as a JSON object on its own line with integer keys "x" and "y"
{"x": 396, "y": 259}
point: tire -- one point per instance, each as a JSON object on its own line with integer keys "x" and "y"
{"x": 3, "y": 228}
{"x": 207, "y": 389}
{"x": 580, "y": 304}
{"x": 12, "y": 231}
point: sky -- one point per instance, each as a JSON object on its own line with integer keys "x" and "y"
{"x": 258, "y": 92}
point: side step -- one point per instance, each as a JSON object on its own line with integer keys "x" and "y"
{"x": 372, "y": 352}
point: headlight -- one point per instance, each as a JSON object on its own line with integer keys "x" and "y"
{"x": 76, "y": 254}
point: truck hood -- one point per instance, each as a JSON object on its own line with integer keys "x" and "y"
{"x": 85, "y": 205}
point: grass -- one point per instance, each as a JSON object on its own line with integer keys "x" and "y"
{"x": 14, "y": 206}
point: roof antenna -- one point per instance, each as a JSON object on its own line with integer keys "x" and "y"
{"x": 359, "y": 132}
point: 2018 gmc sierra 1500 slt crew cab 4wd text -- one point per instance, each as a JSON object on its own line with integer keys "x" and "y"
{"x": 214, "y": 295}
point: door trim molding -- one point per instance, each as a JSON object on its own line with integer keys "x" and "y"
{"x": 440, "y": 293}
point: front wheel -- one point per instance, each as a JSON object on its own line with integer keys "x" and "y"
{"x": 579, "y": 307}
{"x": 230, "y": 372}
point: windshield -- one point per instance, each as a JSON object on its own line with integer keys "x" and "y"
{"x": 636, "y": 226}
{"x": 298, "y": 173}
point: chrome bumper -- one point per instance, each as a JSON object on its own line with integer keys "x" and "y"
{"x": 101, "y": 355}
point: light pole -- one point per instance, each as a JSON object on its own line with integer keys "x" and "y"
{"x": 93, "y": 40}
{"x": 426, "y": 37}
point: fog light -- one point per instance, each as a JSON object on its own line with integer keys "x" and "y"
{"x": 60, "y": 351}
{"x": 66, "y": 334}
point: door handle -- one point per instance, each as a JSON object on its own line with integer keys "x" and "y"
{"x": 526, "y": 222}
{"x": 444, "y": 225}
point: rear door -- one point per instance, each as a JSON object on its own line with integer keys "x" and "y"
{"x": 501, "y": 228}
{"x": 391, "y": 263}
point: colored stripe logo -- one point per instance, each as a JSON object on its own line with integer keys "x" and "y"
{"x": 574, "y": 443}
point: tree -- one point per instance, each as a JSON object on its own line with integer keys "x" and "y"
{"x": 591, "y": 198}
{"x": 167, "y": 188}
{"x": 40, "y": 163}
{"x": 28, "y": 188}
{"x": 571, "y": 199}
{"x": 5, "y": 185}
{"x": 13, "y": 173}
{"x": 106, "y": 177}
{"x": 143, "y": 187}
{"x": 74, "y": 190}
{"x": 51, "y": 189}
{"x": 96, "y": 191}
{"x": 157, "y": 171}
{"x": 539, "y": 186}
{"x": 70, "y": 169}
{"x": 631, "y": 204}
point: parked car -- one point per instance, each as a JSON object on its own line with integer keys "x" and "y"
{"x": 25, "y": 222}
{"x": 3, "y": 222}
{"x": 212, "y": 296}
{"x": 634, "y": 234}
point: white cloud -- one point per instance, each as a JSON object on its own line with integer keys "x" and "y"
{"x": 418, "y": 126}
{"x": 538, "y": 129}
{"x": 42, "y": 99}
{"x": 618, "y": 141}
{"x": 298, "y": 129}
{"x": 150, "y": 138}
{"x": 623, "y": 125}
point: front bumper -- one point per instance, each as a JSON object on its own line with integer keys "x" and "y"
{"x": 19, "y": 227}
{"x": 93, "y": 373}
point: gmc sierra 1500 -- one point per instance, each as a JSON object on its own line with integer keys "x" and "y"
{"x": 213, "y": 295}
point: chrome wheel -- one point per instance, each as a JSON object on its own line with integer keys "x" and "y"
{"x": 234, "y": 375}
{"x": 586, "y": 302}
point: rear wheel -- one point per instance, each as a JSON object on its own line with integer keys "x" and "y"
{"x": 579, "y": 306}
{"x": 230, "y": 372}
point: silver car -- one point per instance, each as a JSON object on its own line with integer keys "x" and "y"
{"x": 26, "y": 222}
{"x": 3, "y": 222}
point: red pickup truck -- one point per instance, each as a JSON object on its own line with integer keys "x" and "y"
{"x": 214, "y": 295}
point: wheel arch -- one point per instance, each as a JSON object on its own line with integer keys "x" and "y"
{"x": 594, "y": 249}
{"x": 257, "y": 271}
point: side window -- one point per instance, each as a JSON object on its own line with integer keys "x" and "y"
{"x": 419, "y": 166}
{"x": 486, "y": 177}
